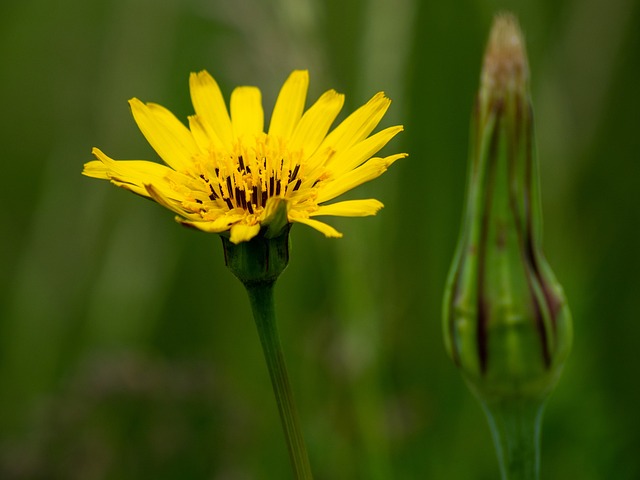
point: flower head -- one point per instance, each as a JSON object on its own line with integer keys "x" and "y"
{"x": 227, "y": 174}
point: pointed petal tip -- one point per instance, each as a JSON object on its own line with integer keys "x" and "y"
{"x": 201, "y": 78}
{"x": 200, "y": 74}
{"x": 381, "y": 97}
{"x": 390, "y": 160}
{"x": 350, "y": 208}
{"x": 135, "y": 102}
{"x": 332, "y": 95}
{"x": 101, "y": 156}
{"x": 95, "y": 169}
{"x": 301, "y": 73}
{"x": 327, "y": 230}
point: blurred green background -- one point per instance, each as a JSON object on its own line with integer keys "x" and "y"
{"x": 127, "y": 351}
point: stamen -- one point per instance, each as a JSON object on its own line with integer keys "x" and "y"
{"x": 229, "y": 187}
{"x": 213, "y": 195}
{"x": 292, "y": 175}
{"x": 247, "y": 178}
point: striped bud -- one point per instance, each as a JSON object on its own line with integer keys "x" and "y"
{"x": 507, "y": 325}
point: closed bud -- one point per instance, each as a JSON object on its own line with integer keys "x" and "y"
{"x": 507, "y": 325}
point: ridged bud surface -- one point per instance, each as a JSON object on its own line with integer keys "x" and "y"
{"x": 507, "y": 325}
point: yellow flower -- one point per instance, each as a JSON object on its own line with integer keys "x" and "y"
{"x": 226, "y": 173}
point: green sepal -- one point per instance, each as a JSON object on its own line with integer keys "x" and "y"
{"x": 261, "y": 260}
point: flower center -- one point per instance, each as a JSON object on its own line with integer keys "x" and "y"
{"x": 241, "y": 188}
{"x": 248, "y": 176}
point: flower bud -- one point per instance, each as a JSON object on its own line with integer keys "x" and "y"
{"x": 507, "y": 325}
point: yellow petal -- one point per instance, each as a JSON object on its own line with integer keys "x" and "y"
{"x": 353, "y": 157}
{"x": 350, "y": 208}
{"x": 133, "y": 174}
{"x": 96, "y": 169}
{"x": 359, "y": 124}
{"x": 220, "y": 224}
{"x": 370, "y": 170}
{"x": 322, "y": 227}
{"x": 204, "y": 135}
{"x": 315, "y": 123}
{"x": 209, "y": 105}
{"x": 247, "y": 116}
{"x": 168, "y": 203}
{"x": 165, "y": 133}
{"x": 289, "y": 105}
{"x": 243, "y": 233}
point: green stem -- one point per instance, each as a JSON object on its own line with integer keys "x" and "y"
{"x": 515, "y": 426}
{"x": 262, "y": 304}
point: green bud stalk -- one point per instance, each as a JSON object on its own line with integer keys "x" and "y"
{"x": 507, "y": 325}
{"x": 257, "y": 264}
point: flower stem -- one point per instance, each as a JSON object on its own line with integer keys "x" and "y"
{"x": 515, "y": 426}
{"x": 262, "y": 304}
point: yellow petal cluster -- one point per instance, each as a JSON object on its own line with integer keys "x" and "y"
{"x": 225, "y": 172}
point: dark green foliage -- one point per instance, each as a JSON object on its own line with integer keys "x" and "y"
{"x": 91, "y": 275}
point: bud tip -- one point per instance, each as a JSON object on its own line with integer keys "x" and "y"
{"x": 505, "y": 60}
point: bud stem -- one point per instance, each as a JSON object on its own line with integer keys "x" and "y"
{"x": 515, "y": 426}
{"x": 262, "y": 305}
